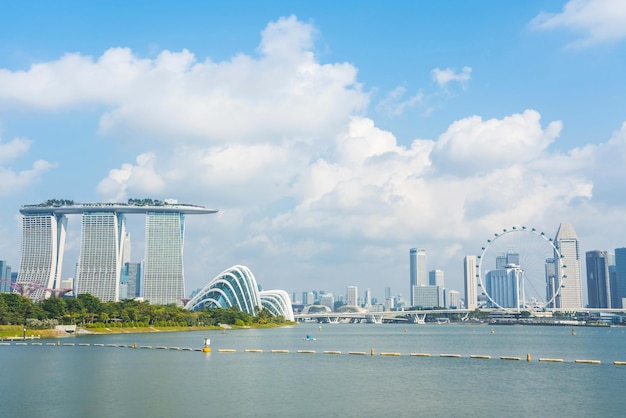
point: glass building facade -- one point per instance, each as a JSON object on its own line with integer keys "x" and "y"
{"x": 237, "y": 287}
{"x": 43, "y": 241}
{"x": 100, "y": 259}
{"x": 163, "y": 278}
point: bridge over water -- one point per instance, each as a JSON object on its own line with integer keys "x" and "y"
{"x": 413, "y": 317}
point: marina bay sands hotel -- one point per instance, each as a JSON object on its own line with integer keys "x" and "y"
{"x": 102, "y": 248}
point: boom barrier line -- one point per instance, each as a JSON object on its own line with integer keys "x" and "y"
{"x": 282, "y": 351}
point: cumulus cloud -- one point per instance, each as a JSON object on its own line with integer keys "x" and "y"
{"x": 12, "y": 180}
{"x": 471, "y": 144}
{"x": 140, "y": 177}
{"x": 448, "y": 75}
{"x": 597, "y": 20}
{"x": 284, "y": 91}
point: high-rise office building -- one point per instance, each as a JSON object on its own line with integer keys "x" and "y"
{"x": 570, "y": 294}
{"x": 352, "y": 296}
{"x": 615, "y": 300}
{"x": 454, "y": 299}
{"x": 131, "y": 275}
{"x": 418, "y": 274}
{"x": 5, "y": 277}
{"x": 598, "y": 279}
{"x": 367, "y": 301}
{"x": 43, "y": 242}
{"x": 435, "y": 278}
{"x": 469, "y": 280}
{"x": 551, "y": 282}
{"x": 428, "y": 296}
{"x": 327, "y": 299}
{"x": 620, "y": 276}
{"x": 163, "y": 277}
{"x": 504, "y": 287}
{"x": 100, "y": 259}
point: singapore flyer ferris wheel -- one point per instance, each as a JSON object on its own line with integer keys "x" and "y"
{"x": 520, "y": 269}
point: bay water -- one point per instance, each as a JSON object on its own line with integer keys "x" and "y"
{"x": 84, "y": 380}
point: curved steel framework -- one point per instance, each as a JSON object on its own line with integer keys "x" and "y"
{"x": 236, "y": 286}
{"x": 278, "y": 303}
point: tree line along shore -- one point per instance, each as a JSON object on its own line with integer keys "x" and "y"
{"x": 19, "y": 315}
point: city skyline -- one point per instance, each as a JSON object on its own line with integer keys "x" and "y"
{"x": 332, "y": 138}
{"x": 105, "y": 257}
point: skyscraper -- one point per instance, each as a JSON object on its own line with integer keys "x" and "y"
{"x": 352, "y": 296}
{"x": 5, "y": 277}
{"x": 551, "y": 282}
{"x": 469, "y": 279}
{"x": 598, "y": 279}
{"x": 435, "y": 278}
{"x": 418, "y": 275}
{"x": 43, "y": 242}
{"x": 131, "y": 272}
{"x": 100, "y": 259}
{"x": 163, "y": 277}
{"x": 620, "y": 276}
{"x": 504, "y": 287}
{"x": 570, "y": 295}
{"x": 368, "y": 297}
{"x": 105, "y": 247}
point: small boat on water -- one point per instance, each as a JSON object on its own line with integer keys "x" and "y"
{"x": 309, "y": 338}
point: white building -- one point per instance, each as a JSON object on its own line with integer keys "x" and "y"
{"x": 454, "y": 299}
{"x": 327, "y": 299}
{"x": 469, "y": 280}
{"x": 43, "y": 242}
{"x": 428, "y": 297}
{"x": 100, "y": 259}
{"x": 352, "y": 296}
{"x": 163, "y": 277}
{"x": 505, "y": 287}
{"x": 570, "y": 295}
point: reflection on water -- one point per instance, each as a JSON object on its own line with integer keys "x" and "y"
{"x": 81, "y": 381}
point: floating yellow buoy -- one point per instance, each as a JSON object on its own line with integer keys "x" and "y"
{"x": 372, "y": 352}
{"x": 207, "y": 345}
{"x": 528, "y": 357}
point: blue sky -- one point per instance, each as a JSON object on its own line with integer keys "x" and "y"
{"x": 332, "y": 136}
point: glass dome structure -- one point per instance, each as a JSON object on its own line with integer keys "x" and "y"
{"x": 236, "y": 286}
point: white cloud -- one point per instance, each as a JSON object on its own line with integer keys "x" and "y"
{"x": 443, "y": 77}
{"x": 473, "y": 145}
{"x": 394, "y": 104}
{"x": 13, "y": 149}
{"x": 141, "y": 178}
{"x": 284, "y": 92}
{"x": 598, "y": 20}
{"x": 368, "y": 189}
{"x": 12, "y": 180}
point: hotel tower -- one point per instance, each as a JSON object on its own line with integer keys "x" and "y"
{"x": 102, "y": 248}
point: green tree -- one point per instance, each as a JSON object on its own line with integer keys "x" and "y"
{"x": 55, "y": 308}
